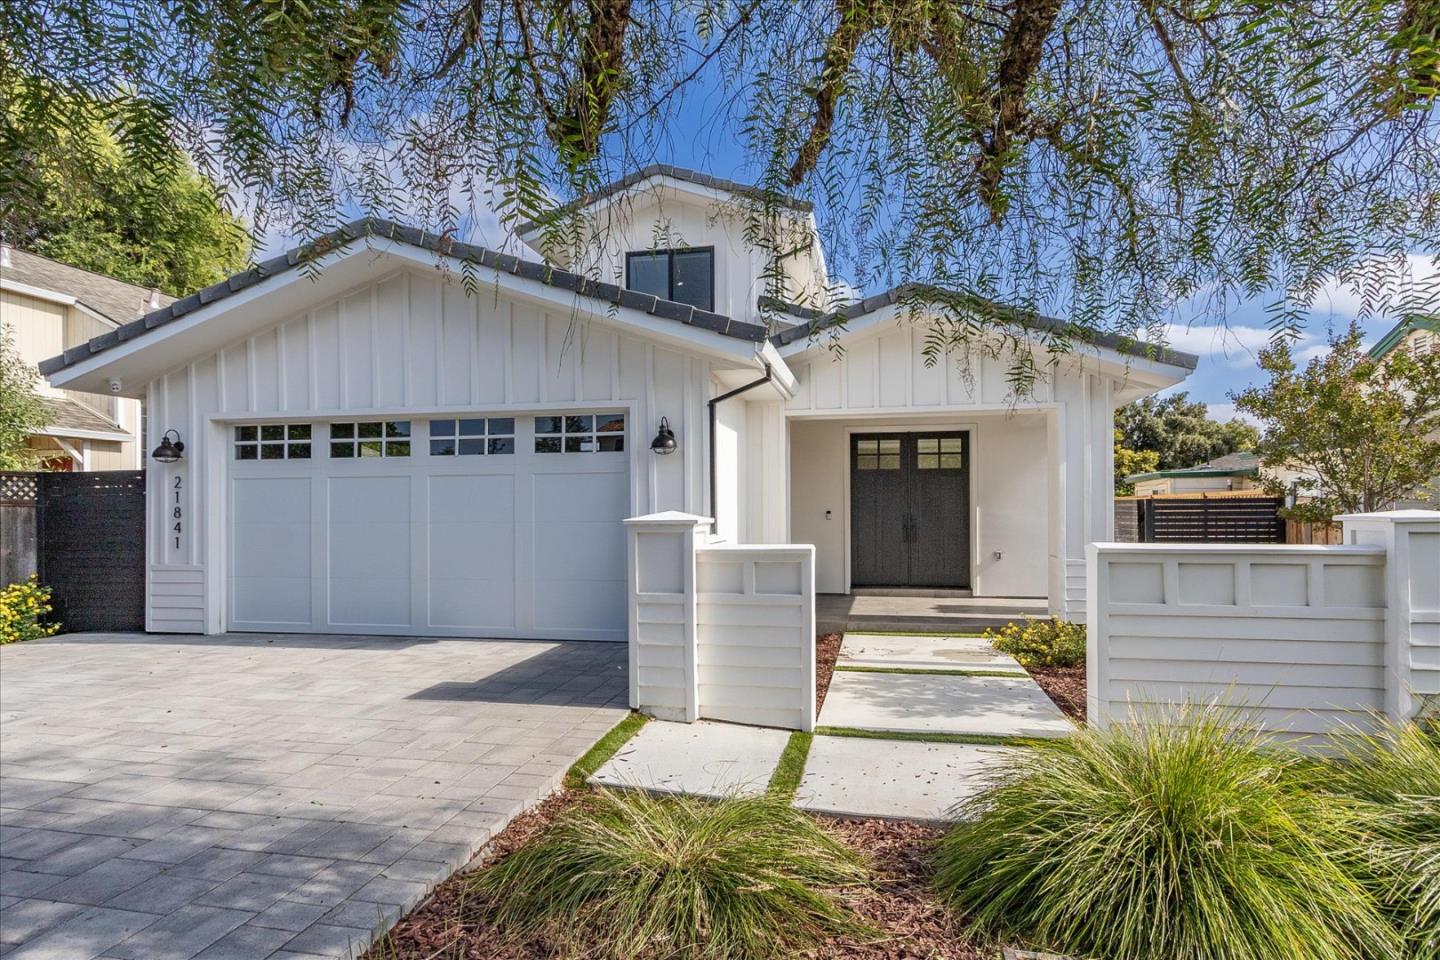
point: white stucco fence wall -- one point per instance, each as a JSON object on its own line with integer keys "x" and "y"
{"x": 720, "y": 631}
{"x": 1303, "y": 639}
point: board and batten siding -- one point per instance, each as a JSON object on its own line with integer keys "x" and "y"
{"x": 410, "y": 344}
{"x": 1292, "y": 636}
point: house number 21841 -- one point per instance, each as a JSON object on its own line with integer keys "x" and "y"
{"x": 177, "y": 513}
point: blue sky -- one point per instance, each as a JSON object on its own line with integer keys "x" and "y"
{"x": 697, "y": 138}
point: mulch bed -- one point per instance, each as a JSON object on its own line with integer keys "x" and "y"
{"x": 827, "y": 649}
{"x": 908, "y": 922}
{"x": 1064, "y": 685}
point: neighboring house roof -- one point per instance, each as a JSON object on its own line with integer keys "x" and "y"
{"x": 67, "y": 416}
{"x": 606, "y": 293}
{"x": 114, "y": 299}
{"x": 817, "y": 321}
{"x": 674, "y": 173}
{"x": 1397, "y": 334}
{"x": 1242, "y": 464}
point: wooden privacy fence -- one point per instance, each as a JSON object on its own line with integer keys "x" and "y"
{"x": 83, "y": 535}
{"x": 1207, "y": 519}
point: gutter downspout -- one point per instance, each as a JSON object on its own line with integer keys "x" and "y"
{"x": 711, "y": 404}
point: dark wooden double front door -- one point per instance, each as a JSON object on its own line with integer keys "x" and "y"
{"x": 910, "y": 509}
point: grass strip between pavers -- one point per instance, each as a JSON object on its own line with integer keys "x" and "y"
{"x": 979, "y": 739}
{"x": 786, "y": 778}
{"x": 605, "y": 748}
{"x": 930, "y": 672}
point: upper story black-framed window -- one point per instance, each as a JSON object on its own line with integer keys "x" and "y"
{"x": 685, "y": 276}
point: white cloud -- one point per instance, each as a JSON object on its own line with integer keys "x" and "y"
{"x": 1225, "y": 412}
{"x": 1386, "y": 284}
{"x": 1234, "y": 345}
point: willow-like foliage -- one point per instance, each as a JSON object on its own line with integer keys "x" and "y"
{"x": 1103, "y": 159}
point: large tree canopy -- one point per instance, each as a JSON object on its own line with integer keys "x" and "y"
{"x": 1367, "y": 431}
{"x": 1104, "y": 159}
{"x": 1179, "y": 431}
{"x": 90, "y": 202}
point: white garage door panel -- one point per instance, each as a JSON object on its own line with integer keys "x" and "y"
{"x": 505, "y": 545}
{"x": 270, "y": 551}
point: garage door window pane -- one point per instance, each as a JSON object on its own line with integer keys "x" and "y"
{"x": 469, "y": 437}
{"x": 580, "y": 433}
{"x": 368, "y": 440}
{"x": 268, "y": 441}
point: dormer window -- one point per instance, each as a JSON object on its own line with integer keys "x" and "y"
{"x": 685, "y": 276}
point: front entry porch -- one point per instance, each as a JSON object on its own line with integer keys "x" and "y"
{"x": 920, "y": 611}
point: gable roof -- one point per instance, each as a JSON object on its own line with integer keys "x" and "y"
{"x": 66, "y": 415}
{"x": 359, "y": 230}
{"x": 1397, "y": 334}
{"x": 113, "y": 299}
{"x": 675, "y": 173}
{"x": 817, "y": 321}
{"x": 1244, "y": 463}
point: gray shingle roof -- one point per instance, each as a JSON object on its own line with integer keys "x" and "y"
{"x": 115, "y": 299}
{"x": 66, "y": 414}
{"x": 817, "y": 321}
{"x": 360, "y": 230}
{"x": 677, "y": 173}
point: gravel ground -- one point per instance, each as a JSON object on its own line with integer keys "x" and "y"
{"x": 908, "y": 922}
{"x": 1064, "y": 685}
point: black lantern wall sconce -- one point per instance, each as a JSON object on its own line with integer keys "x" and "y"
{"x": 664, "y": 442}
{"x": 170, "y": 449}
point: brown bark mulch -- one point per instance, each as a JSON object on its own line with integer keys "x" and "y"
{"x": 827, "y": 650}
{"x": 1064, "y": 685}
{"x": 907, "y": 921}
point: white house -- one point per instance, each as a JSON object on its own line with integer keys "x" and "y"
{"x": 413, "y": 436}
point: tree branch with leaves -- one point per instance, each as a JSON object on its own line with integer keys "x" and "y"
{"x": 1365, "y": 432}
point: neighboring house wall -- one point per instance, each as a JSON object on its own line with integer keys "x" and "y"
{"x": 42, "y": 329}
{"x": 1162, "y": 485}
{"x": 1304, "y": 640}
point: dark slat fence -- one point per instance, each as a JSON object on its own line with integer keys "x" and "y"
{"x": 84, "y": 535}
{"x": 1199, "y": 520}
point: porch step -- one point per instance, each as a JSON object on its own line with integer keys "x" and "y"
{"x": 868, "y": 613}
{"x": 908, "y": 592}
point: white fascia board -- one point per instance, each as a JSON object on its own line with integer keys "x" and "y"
{"x": 781, "y": 375}
{"x": 58, "y": 432}
{"x": 39, "y": 293}
{"x": 140, "y": 360}
{"x": 1149, "y": 374}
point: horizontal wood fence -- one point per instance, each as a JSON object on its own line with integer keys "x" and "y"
{"x": 83, "y": 535}
{"x": 1208, "y": 519}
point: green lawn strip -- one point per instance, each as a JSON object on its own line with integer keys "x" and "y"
{"x": 926, "y": 671}
{"x": 786, "y": 778}
{"x": 980, "y": 739}
{"x": 605, "y": 748}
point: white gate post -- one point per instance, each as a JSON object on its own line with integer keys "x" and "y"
{"x": 1411, "y": 539}
{"x": 661, "y": 561}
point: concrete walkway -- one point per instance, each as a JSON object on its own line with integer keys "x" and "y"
{"x": 848, "y": 776}
{"x": 250, "y": 797}
{"x": 938, "y": 654}
{"x": 702, "y": 759}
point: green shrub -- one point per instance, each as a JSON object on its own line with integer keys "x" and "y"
{"x": 1042, "y": 643}
{"x": 23, "y": 609}
{"x": 631, "y": 875}
{"x": 1394, "y": 777}
{"x": 1180, "y": 840}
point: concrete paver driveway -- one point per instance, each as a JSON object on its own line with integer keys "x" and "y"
{"x": 247, "y": 797}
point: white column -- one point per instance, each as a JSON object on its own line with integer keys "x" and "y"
{"x": 1411, "y": 539}
{"x": 662, "y": 634}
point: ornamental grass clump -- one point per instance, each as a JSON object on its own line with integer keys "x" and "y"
{"x": 630, "y": 875}
{"x": 1187, "y": 839}
{"x": 1394, "y": 778}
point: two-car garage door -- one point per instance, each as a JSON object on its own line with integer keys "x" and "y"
{"x": 477, "y": 526}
